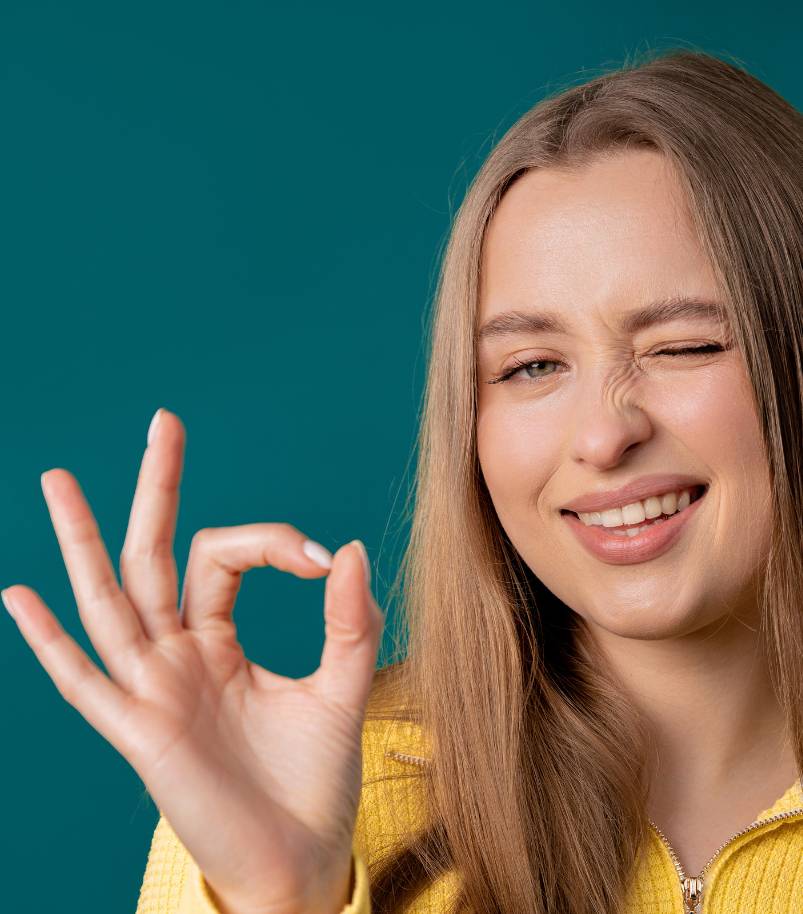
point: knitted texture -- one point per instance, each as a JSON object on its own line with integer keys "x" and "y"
{"x": 760, "y": 872}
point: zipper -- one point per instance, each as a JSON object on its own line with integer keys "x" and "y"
{"x": 403, "y": 757}
{"x": 691, "y": 887}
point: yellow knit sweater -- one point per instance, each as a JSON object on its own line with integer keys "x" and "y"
{"x": 758, "y": 871}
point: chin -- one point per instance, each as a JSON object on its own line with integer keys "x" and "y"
{"x": 648, "y": 620}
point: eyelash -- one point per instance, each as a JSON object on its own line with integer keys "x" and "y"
{"x": 687, "y": 351}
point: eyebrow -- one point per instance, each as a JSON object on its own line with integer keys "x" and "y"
{"x": 657, "y": 312}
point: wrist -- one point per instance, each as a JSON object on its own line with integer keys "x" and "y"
{"x": 229, "y": 905}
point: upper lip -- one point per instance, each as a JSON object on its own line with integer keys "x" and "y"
{"x": 636, "y": 490}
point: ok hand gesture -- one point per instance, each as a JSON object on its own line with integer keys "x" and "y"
{"x": 258, "y": 774}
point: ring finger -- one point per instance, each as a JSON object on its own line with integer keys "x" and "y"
{"x": 106, "y": 613}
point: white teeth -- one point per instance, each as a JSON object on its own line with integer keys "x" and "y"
{"x": 637, "y": 511}
{"x": 634, "y": 531}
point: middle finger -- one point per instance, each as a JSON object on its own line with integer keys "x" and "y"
{"x": 147, "y": 564}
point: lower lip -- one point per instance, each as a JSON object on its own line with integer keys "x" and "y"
{"x": 628, "y": 550}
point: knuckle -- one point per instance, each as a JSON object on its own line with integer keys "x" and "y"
{"x": 278, "y": 529}
{"x": 67, "y": 690}
{"x": 84, "y": 531}
{"x": 72, "y": 685}
{"x": 344, "y": 631}
{"x": 71, "y": 688}
{"x": 167, "y": 488}
{"x": 202, "y": 539}
{"x": 145, "y": 554}
{"x": 103, "y": 591}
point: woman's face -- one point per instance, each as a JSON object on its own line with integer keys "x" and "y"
{"x": 601, "y": 408}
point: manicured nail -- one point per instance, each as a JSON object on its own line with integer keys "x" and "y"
{"x": 154, "y": 423}
{"x": 366, "y": 563}
{"x": 8, "y": 604}
{"x": 320, "y": 555}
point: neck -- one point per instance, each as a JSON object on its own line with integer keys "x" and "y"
{"x": 710, "y": 708}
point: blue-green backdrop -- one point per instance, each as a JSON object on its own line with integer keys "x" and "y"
{"x": 236, "y": 210}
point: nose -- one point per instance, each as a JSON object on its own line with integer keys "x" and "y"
{"x": 606, "y": 428}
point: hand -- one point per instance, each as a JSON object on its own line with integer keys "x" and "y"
{"x": 259, "y": 775}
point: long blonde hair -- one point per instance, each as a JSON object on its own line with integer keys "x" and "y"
{"x": 537, "y": 790}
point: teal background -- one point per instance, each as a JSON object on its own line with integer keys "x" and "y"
{"x": 236, "y": 210}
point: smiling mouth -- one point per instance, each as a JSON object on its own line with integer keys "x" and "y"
{"x": 697, "y": 494}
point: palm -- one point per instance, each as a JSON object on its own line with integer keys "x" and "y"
{"x": 258, "y": 774}
{"x": 198, "y": 692}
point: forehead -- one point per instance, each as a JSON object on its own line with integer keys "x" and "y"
{"x": 596, "y": 240}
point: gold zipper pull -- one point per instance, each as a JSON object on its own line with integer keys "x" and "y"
{"x": 692, "y": 893}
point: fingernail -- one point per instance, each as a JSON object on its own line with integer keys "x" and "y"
{"x": 365, "y": 561}
{"x": 154, "y": 423}
{"x": 8, "y": 604}
{"x": 318, "y": 553}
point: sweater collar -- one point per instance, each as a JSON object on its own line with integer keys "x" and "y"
{"x": 407, "y": 742}
{"x": 789, "y": 800}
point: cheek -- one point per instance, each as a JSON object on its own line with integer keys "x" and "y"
{"x": 713, "y": 410}
{"x": 517, "y": 456}
{"x": 719, "y": 426}
{"x": 724, "y": 432}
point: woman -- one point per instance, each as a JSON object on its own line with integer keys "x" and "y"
{"x": 601, "y": 709}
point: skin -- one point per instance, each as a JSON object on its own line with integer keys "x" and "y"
{"x": 680, "y": 630}
{"x": 259, "y": 775}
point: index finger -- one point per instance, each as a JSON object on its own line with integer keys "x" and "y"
{"x": 219, "y": 556}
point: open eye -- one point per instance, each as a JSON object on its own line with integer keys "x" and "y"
{"x": 519, "y": 366}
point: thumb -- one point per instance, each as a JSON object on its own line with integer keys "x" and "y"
{"x": 353, "y": 627}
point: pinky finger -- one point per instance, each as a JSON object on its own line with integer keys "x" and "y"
{"x": 101, "y": 702}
